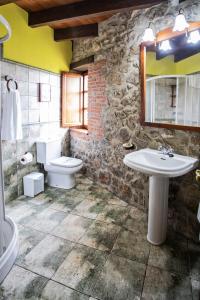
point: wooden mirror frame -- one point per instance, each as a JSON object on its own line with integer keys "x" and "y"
{"x": 161, "y": 36}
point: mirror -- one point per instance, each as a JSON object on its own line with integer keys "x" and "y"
{"x": 170, "y": 79}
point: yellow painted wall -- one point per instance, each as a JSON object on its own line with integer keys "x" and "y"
{"x": 163, "y": 66}
{"x": 34, "y": 46}
{"x": 167, "y": 66}
{"x": 189, "y": 65}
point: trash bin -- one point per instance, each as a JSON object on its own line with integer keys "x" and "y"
{"x": 33, "y": 184}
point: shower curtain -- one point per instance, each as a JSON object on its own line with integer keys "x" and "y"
{"x": 2, "y": 208}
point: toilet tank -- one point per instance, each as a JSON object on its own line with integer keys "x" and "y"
{"x": 48, "y": 149}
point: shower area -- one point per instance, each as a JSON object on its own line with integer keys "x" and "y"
{"x": 8, "y": 229}
{"x": 173, "y": 99}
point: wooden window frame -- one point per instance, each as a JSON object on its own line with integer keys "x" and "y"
{"x": 65, "y": 124}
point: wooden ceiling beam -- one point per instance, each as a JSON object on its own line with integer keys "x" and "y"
{"x": 3, "y": 2}
{"x": 81, "y": 63}
{"x": 77, "y": 32}
{"x": 81, "y": 10}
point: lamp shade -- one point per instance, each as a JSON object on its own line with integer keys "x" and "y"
{"x": 148, "y": 35}
{"x": 165, "y": 45}
{"x": 194, "y": 37}
{"x": 180, "y": 23}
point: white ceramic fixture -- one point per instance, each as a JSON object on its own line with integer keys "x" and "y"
{"x": 160, "y": 167}
{"x": 61, "y": 170}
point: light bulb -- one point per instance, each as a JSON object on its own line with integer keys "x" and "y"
{"x": 148, "y": 35}
{"x": 180, "y": 22}
{"x": 165, "y": 45}
{"x": 194, "y": 37}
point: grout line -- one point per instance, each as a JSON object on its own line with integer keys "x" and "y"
{"x": 50, "y": 279}
{"x": 145, "y": 272}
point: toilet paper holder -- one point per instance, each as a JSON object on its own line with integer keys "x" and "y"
{"x": 26, "y": 158}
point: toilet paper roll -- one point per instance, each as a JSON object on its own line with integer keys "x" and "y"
{"x": 26, "y": 158}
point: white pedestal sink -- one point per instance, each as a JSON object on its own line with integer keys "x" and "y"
{"x": 160, "y": 167}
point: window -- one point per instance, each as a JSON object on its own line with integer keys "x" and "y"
{"x": 75, "y": 100}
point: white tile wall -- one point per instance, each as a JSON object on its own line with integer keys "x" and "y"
{"x": 39, "y": 119}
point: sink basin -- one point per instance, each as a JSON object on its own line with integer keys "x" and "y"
{"x": 160, "y": 167}
{"x": 152, "y": 162}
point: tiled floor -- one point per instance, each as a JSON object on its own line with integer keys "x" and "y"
{"x": 86, "y": 244}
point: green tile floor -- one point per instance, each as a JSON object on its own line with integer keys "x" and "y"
{"x": 86, "y": 244}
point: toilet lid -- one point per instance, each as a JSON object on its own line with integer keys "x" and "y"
{"x": 66, "y": 162}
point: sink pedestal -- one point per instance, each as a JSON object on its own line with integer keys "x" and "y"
{"x": 158, "y": 209}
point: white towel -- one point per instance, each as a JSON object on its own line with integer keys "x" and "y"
{"x": 11, "y": 116}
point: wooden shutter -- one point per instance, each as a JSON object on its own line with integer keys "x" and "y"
{"x": 71, "y": 100}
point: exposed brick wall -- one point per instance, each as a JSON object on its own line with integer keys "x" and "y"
{"x": 97, "y": 100}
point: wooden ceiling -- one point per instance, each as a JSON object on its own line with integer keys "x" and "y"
{"x": 73, "y": 19}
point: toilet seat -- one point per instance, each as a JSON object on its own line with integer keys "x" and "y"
{"x": 66, "y": 162}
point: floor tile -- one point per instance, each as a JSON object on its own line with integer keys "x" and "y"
{"x": 56, "y": 291}
{"x": 99, "y": 192}
{"x": 67, "y": 203}
{"x": 171, "y": 256}
{"x": 101, "y": 236}
{"x": 116, "y": 201}
{"x": 46, "y": 220}
{"x": 120, "y": 279}
{"x": 162, "y": 285}
{"x": 21, "y": 212}
{"x": 41, "y": 199}
{"x": 28, "y": 239}
{"x": 47, "y": 256}
{"x": 132, "y": 245}
{"x": 72, "y": 227}
{"x": 53, "y": 194}
{"x": 194, "y": 259}
{"x": 114, "y": 214}
{"x": 136, "y": 220}
{"x": 81, "y": 268}
{"x": 195, "y": 289}
{"x": 89, "y": 208}
{"x": 84, "y": 185}
{"x": 21, "y": 284}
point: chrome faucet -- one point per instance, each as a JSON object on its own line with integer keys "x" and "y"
{"x": 165, "y": 150}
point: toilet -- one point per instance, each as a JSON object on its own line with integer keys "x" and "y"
{"x": 61, "y": 170}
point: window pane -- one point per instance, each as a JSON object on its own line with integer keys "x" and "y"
{"x": 73, "y": 100}
{"x": 85, "y": 99}
{"x": 85, "y": 82}
{"x": 82, "y": 80}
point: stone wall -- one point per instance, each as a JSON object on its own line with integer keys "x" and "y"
{"x": 118, "y": 45}
{"x": 40, "y": 119}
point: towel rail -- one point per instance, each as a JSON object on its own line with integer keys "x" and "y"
{"x": 9, "y": 80}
